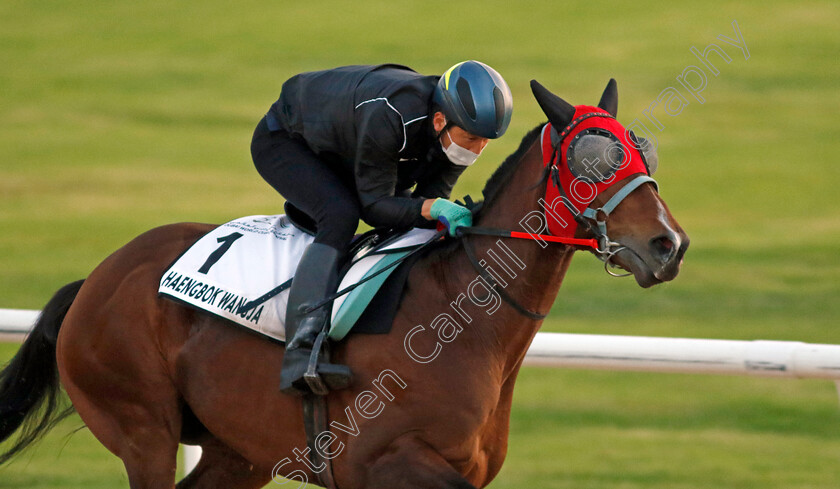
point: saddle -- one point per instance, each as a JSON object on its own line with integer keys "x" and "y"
{"x": 241, "y": 272}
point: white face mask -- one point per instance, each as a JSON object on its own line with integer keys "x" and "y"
{"x": 459, "y": 155}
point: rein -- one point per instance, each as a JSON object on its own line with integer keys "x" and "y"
{"x": 603, "y": 247}
{"x": 501, "y": 233}
{"x": 494, "y": 284}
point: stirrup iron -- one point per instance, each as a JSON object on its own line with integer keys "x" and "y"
{"x": 316, "y": 384}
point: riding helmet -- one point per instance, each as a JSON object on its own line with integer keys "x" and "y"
{"x": 476, "y": 98}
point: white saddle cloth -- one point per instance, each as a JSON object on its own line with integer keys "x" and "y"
{"x": 250, "y": 257}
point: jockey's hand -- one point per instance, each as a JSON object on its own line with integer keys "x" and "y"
{"x": 451, "y": 215}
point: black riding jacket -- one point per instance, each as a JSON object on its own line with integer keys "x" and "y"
{"x": 375, "y": 122}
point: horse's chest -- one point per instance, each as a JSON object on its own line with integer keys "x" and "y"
{"x": 477, "y": 450}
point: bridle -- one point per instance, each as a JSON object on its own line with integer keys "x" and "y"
{"x": 593, "y": 219}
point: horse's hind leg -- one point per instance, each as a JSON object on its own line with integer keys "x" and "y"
{"x": 136, "y": 415}
{"x": 221, "y": 467}
{"x": 119, "y": 385}
{"x": 115, "y": 352}
{"x": 142, "y": 431}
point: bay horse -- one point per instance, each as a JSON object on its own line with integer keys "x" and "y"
{"x": 431, "y": 401}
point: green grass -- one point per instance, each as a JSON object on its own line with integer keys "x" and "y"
{"x": 120, "y": 116}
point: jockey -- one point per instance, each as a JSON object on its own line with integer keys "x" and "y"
{"x": 350, "y": 143}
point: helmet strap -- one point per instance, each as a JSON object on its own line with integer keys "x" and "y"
{"x": 446, "y": 127}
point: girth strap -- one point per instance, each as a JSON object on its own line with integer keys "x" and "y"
{"x": 495, "y": 285}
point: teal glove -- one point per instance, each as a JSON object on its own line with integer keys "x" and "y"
{"x": 451, "y": 215}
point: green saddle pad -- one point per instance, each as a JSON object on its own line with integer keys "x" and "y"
{"x": 349, "y": 307}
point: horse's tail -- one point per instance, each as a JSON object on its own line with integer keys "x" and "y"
{"x": 30, "y": 394}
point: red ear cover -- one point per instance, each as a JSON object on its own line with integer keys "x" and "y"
{"x": 580, "y": 193}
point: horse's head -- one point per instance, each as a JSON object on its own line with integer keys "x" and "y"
{"x": 599, "y": 185}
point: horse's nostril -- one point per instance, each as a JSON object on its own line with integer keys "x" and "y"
{"x": 664, "y": 247}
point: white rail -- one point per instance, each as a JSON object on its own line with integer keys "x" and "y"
{"x": 787, "y": 359}
{"x": 762, "y": 358}
{"x": 17, "y": 321}
{"x": 677, "y": 355}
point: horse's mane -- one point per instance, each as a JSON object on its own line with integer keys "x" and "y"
{"x": 500, "y": 177}
{"x": 494, "y": 186}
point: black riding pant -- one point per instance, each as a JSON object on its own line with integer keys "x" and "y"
{"x": 308, "y": 183}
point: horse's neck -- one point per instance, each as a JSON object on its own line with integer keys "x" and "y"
{"x": 541, "y": 270}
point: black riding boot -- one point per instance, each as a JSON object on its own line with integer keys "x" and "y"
{"x": 316, "y": 277}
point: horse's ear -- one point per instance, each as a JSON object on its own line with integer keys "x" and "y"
{"x": 609, "y": 100}
{"x": 559, "y": 112}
